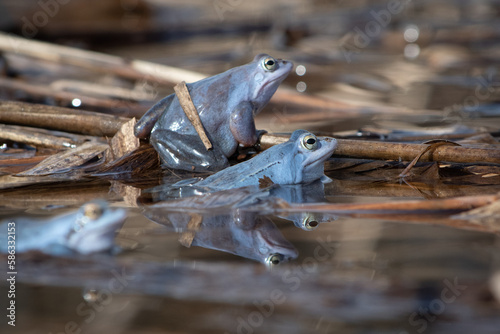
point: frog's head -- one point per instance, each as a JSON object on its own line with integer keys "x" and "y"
{"x": 268, "y": 73}
{"x": 310, "y": 154}
{"x": 94, "y": 228}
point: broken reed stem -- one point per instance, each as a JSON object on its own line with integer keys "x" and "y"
{"x": 59, "y": 118}
{"x": 141, "y": 70}
{"x": 400, "y": 151}
{"x": 98, "y": 62}
{"x": 40, "y": 137}
{"x": 98, "y": 124}
{"x": 44, "y": 91}
{"x": 182, "y": 93}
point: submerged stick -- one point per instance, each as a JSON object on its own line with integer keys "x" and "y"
{"x": 400, "y": 151}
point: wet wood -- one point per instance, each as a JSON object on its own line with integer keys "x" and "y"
{"x": 431, "y": 146}
{"x": 40, "y": 137}
{"x": 400, "y": 151}
{"x": 95, "y": 61}
{"x": 32, "y": 192}
{"x": 41, "y": 92}
{"x": 59, "y": 118}
{"x": 160, "y": 74}
{"x": 123, "y": 141}
{"x": 17, "y": 165}
{"x": 65, "y": 161}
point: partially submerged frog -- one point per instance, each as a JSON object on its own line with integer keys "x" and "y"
{"x": 226, "y": 103}
{"x": 298, "y": 161}
{"x": 89, "y": 230}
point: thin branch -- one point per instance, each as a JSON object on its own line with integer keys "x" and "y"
{"x": 401, "y": 151}
{"x": 40, "y": 137}
{"x": 59, "y": 118}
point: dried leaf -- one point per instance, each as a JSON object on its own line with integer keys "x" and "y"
{"x": 138, "y": 162}
{"x": 265, "y": 182}
{"x": 66, "y": 160}
{"x": 433, "y": 144}
{"x": 123, "y": 142}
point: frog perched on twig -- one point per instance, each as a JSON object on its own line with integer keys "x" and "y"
{"x": 226, "y": 104}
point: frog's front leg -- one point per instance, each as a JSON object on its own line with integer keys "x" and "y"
{"x": 187, "y": 152}
{"x": 148, "y": 120}
{"x": 242, "y": 124}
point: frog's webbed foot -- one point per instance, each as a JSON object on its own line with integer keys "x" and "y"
{"x": 187, "y": 152}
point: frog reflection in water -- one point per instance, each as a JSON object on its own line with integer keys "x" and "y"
{"x": 227, "y": 200}
{"x": 239, "y": 232}
{"x": 236, "y": 220}
{"x": 89, "y": 230}
{"x": 226, "y": 103}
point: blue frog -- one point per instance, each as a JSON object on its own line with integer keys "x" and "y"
{"x": 298, "y": 161}
{"x": 226, "y": 104}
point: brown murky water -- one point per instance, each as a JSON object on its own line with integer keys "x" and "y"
{"x": 433, "y": 66}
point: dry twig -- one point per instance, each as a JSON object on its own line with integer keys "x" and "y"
{"x": 40, "y": 137}
{"x": 401, "y": 151}
{"x": 187, "y": 105}
{"x": 59, "y": 118}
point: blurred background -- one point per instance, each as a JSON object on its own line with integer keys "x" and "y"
{"x": 378, "y": 66}
{"x": 435, "y": 57}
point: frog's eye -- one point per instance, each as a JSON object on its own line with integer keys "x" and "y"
{"x": 88, "y": 213}
{"x": 269, "y": 64}
{"x": 309, "y": 223}
{"x": 274, "y": 259}
{"x": 310, "y": 142}
{"x": 93, "y": 211}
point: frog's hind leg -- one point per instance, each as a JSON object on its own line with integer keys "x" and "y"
{"x": 148, "y": 120}
{"x": 187, "y": 152}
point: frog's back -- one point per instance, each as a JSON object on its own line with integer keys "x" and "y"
{"x": 271, "y": 166}
{"x": 32, "y": 234}
{"x": 214, "y": 98}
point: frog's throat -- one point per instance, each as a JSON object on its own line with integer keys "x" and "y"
{"x": 278, "y": 79}
{"x": 316, "y": 157}
{"x": 278, "y": 246}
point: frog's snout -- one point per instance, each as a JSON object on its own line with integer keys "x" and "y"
{"x": 329, "y": 140}
{"x": 284, "y": 62}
